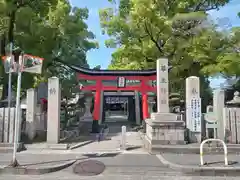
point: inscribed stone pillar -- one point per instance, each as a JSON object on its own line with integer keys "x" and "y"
{"x": 30, "y": 113}
{"x": 54, "y": 107}
{"x": 193, "y": 108}
{"x": 218, "y": 105}
{"x": 163, "y": 126}
{"x": 162, "y": 86}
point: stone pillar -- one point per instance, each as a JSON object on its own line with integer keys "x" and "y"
{"x": 54, "y": 107}
{"x": 218, "y": 105}
{"x": 163, "y": 126}
{"x": 137, "y": 108}
{"x": 30, "y": 113}
{"x": 162, "y": 86}
{"x": 193, "y": 109}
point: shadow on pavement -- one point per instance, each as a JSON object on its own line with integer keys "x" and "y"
{"x": 220, "y": 162}
{"x": 102, "y": 155}
{"x": 48, "y": 162}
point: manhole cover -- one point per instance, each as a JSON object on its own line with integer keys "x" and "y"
{"x": 89, "y": 168}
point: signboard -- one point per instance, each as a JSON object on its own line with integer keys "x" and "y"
{"x": 195, "y": 114}
{"x": 31, "y": 64}
{"x": 130, "y": 82}
{"x": 116, "y": 100}
{"x": 121, "y": 83}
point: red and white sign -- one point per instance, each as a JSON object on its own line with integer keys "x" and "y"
{"x": 29, "y": 63}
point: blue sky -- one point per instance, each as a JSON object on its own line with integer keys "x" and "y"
{"x": 102, "y": 56}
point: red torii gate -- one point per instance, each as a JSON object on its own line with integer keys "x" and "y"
{"x": 146, "y": 77}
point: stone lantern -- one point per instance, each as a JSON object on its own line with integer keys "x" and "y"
{"x": 88, "y": 103}
{"x": 85, "y": 122}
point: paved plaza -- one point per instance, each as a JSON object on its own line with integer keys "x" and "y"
{"x": 119, "y": 164}
{"x": 117, "y": 167}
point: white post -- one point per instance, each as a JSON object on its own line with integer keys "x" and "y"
{"x": 16, "y": 130}
{"x": 224, "y": 147}
{"x": 123, "y": 144}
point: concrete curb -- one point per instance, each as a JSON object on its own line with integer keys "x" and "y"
{"x": 201, "y": 171}
{"x": 21, "y": 170}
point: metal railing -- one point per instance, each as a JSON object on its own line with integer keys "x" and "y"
{"x": 224, "y": 147}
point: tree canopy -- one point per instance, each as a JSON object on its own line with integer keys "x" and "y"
{"x": 145, "y": 30}
{"x": 51, "y": 29}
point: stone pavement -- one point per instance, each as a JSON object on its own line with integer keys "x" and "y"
{"x": 111, "y": 144}
{"x": 122, "y": 166}
{"x": 119, "y": 167}
{"x": 194, "y": 159}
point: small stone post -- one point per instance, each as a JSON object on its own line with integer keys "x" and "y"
{"x": 123, "y": 142}
{"x": 54, "y": 107}
{"x": 30, "y": 113}
{"x": 218, "y": 105}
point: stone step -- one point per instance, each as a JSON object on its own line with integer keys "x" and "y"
{"x": 8, "y": 147}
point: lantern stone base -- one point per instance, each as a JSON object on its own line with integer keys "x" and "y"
{"x": 95, "y": 126}
{"x": 164, "y": 129}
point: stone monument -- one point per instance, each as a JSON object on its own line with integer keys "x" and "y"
{"x": 30, "y": 114}
{"x": 218, "y": 108}
{"x": 193, "y": 109}
{"x": 163, "y": 126}
{"x": 54, "y": 107}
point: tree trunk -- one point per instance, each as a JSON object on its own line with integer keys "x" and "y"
{"x": 3, "y": 74}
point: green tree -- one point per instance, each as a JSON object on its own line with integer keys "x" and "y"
{"x": 51, "y": 29}
{"x": 145, "y": 30}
